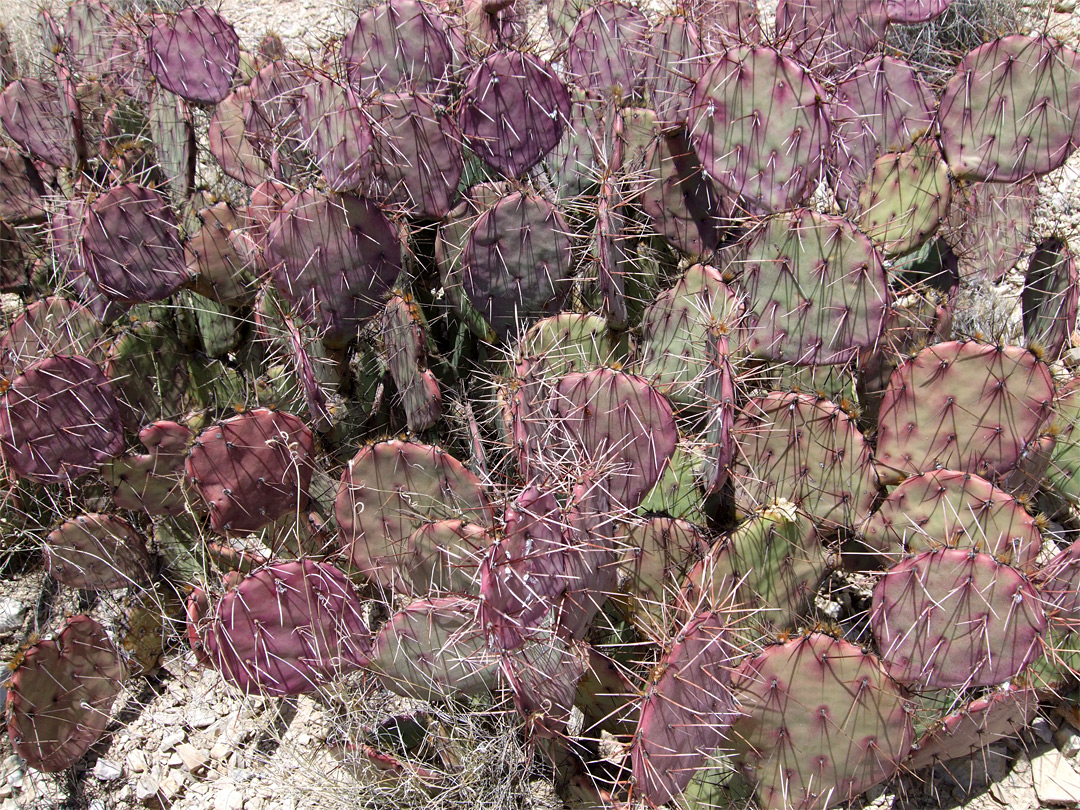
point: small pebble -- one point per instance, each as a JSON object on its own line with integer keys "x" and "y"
{"x": 107, "y": 771}
{"x": 12, "y": 613}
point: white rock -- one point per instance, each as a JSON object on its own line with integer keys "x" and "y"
{"x": 193, "y": 759}
{"x": 146, "y": 788}
{"x": 1067, "y": 739}
{"x": 170, "y": 788}
{"x": 171, "y": 740}
{"x": 107, "y": 771}
{"x": 228, "y": 797}
{"x": 175, "y": 761}
{"x": 201, "y": 717}
{"x": 1055, "y": 780}
{"x": 12, "y": 613}
{"x": 136, "y": 761}
{"x": 97, "y": 804}
{"x": 220, "y": 750}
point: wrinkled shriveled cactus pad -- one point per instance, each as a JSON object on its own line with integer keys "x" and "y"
{"x": 59, "y": 420}
{"x": 821, "y": 723}
{"x": 392, "y": 488}
{"x": 61, "y": 694}
{"x": 286, "y": 629}
{"x": 687, "y": 711}
{"x": 962, "y": 406}
{"x": 97, "y": 552}
{"x": 956, "y": 618}
{"x": 1010, "y": 110}
{"x": 252, "y": 469}
{"x": 195, "y": 55}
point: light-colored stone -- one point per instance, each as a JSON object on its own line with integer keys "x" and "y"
{"x": 106, "y": 770}
{"x": 170, "y": 788}
{"x": 1067, "y": 739}
{"x": 175, "y": 761}
{"x": 170, "y": 740}
{"x": 146, "y": 788}
{"x": 12, "y": 613}
{"x": 228, "y": 797}
{"x": 193, "y": 759}
{"x": 201, "y": 716}
{"x": 1055, "y": 780}
{"x": 136, "y": 761}
{"x": 220, "y": 750}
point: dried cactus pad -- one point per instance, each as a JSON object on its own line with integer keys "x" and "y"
{"x": 949, "y": 509}
{"x": 97, "y": 552}
{"x": 61, "y": 694}
{"x": 822, "y": 723}
{"x": 956, "y": 618}
{"x": 761, "y": 128}
{"x": 962, "y": 406}
{"x": 1010, "y": 110}
{"x": 195, "y": 55}
{"x": 688, "y": 709}
{"x": 816, "y": 289}
{"x": 514, "y": 111}
{"x": 252, "y": 469}
{"x": 59, "y": 420}
{"x": 288, "y": 628}
{"x": 392, "y": 488}
{"x": 131, "y": 247}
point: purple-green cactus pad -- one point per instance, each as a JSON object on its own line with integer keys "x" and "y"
{"x": 687, "y": 711}
{"x": 830, "y": 35}
{"x": 1010, "y": 110}
{"x": 527, "y": 569}
{"x": 518, "y": 262}
{"x": 1063, "y": 474}
{"x": 272, "y": 122}
{"x": 419, "y": 161}
{"x": 338, "y": 131}
{"x": 988, "y": 226}
{"x": 50, "y": 325}
{"x": 765, "y": 572}
{"x": 978, "y": 724}
{"x": 97, "y": 552}
{"x": 1059, "y": 583}
{"x": 805, "y": 450}
{"x": 333, "y": 258}
{"x": 131, "y": 247}
{"x": 761, "y": 127}
{"x": 403, "y": 339}
{"x": 725, "y": 24}
{"x": 605, "y": 53}
{"x": 543, "y": 676}
{"x": 822, "y": 722}
{"x": 905, "y": 198}
{"x": 195, "y": 55}
{"x": 219, "y": 258}
{"x": 948, "y": 509}
{"x": 444, "y": 557}
{"x": 398, "y": 46}
{"x": 816, "y": 289}
{"x": 434, "y": 649}
{"x": 20, "y": 195}
{"x": 513, "y": 111}
{"x": 618, "y": 426}
{"x": 34, "y": 116}
{"x": 389, "y": 490}
{"x": 89, "y": 34}
{"x": 679, "y": 330}
{"x": 674, "y": 62}
{"x": 962, "y": 406}
{"x": 956, "y": 618}
{"x": 287, "y": 629}
{"x": 60, "y": 696}
{"x": 226, "y": 137}
{"x": 59, "y": 420}
{"x": 1050, "y": 296}
{"x": 882, "y": 106}
{"x": 915, "y": 11}
{"x": 683, "y": 204}
{"x": 153, "y": 481}
{"x": 252, "y": 469}
{"x": 656, "y": 554}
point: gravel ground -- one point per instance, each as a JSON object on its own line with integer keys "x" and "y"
{"x": 184, "y": 740}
